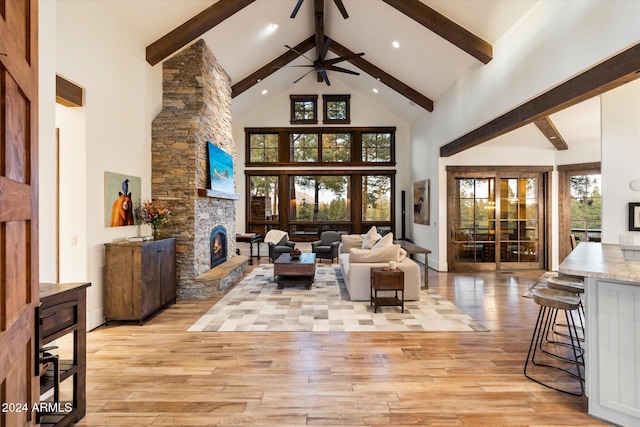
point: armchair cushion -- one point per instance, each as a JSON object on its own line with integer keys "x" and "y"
{"x": 328, "y": 245}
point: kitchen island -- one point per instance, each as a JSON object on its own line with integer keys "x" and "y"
{"x": 612, "y": 301}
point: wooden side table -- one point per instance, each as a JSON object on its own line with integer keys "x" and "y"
{"x": 385, "y": 280}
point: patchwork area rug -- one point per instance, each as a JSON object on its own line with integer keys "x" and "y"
{"x": 256, "y": 304}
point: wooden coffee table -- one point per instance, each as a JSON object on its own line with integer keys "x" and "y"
{"x": 294, "y": 271}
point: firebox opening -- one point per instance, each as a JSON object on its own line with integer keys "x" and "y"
{"x": 218, "y": 245}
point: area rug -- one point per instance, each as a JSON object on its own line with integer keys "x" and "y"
{"x": 256, "y": 304}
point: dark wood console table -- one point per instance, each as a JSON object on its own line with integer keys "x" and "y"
{"x": 250, "y": 238}
{"x": 413, "y": 249}
{"x": 63, "y": 309}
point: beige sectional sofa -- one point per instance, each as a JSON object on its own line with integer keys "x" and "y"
{"x": 356, "y": 263}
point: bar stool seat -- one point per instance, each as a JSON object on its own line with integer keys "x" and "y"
{"x": 552, "y": 301}
{"x": 566, "y": 284}
{"x": 556, "y": 298}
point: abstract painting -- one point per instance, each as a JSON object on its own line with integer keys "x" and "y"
{"x": 122, "y": 195}
{"x": 221, "y": 176}
{"x": 421, "y": 194}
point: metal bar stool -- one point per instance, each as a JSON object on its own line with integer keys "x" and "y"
{"x": 568, "y": 284}
{"x": 551, "y": 301}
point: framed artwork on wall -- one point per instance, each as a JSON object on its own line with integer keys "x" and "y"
{"x": 634, "y": 216}
{"x": 122, "y": 195}
{"x": 221, "y": 176}
{"x": 421, "y": 203}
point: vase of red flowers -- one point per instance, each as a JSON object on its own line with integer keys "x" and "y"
{"x": 154, "y": 213}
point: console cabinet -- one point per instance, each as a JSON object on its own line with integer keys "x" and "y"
{"x": 140, "y": 278}
{"x": 62, "y": 311}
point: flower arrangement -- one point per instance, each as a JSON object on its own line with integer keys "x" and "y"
{"x": 153, "y": 213}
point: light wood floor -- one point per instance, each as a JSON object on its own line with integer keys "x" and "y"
{"x": 158, "y": 374}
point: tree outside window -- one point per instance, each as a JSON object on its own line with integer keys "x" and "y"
{"x": 320, "y": 198}
{"x": 376, "y": 194}
{"x": 263, "y": 147}
{"x": 586, "y": 207}
{"x": 376, "y": 147}
{"x": 304, "y": 147}
{"x": 336, "y": 147}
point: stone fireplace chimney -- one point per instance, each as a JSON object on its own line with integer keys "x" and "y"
{"x": 196, "y": 109}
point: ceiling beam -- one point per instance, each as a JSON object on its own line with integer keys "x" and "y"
{"x": 318, "y": 13}
{"x": 273, "y": 66}
{"x": 616, "y": 71}
{"x": 193, "y": 28}
{"x": 385, "y": 78}
{"x": 550, "y": 131}
{"x": 445, "y": 28}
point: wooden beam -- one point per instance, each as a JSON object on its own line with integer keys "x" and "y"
{"x": 318, "y": 13}
{"x": 385, "y": 78}
{"x": 445, "y": 28}
{"x": 616, "y": 71}
{"x": 67, "y": 93}
{"x": 273, "y": 66}
{"x": 550, "y": 131}
{"x": 193, "y": 28}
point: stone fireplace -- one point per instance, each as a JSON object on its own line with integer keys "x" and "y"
{"x": 196, "y": 110}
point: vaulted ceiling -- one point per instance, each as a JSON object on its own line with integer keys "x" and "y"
{"x": 439, "y": 41}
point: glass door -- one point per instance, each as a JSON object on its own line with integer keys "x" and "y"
{"x": 496, "y": 220}
{"x": 474, "y": 223}
{"x": 519, "y": 223}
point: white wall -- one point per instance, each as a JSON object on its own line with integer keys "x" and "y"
{"x": 47, "y": 139}
{"x": 274, "y": 111}
{"x": 620, "y": 160}
{"x": 551, "y": 43}
{"x": 122, "y": 95}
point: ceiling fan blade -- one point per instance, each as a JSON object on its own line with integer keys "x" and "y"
{"x": 296, "y": 9}
{"x": 323, "y": 73}
{"x": 295, "y": 51}
{"x": 301, "y": 77}
{"x": 341, "y": 70}
{"x": 325, "y": 49}
{"x": 342, "y": 58}
{"x": 340, "y": 5}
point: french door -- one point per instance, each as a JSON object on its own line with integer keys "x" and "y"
{"x": 497, "y": 218}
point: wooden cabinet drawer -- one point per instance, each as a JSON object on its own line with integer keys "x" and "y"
{"x": 58, "y": 318}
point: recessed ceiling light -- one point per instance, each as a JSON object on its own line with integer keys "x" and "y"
{"x": 396, "y": 44}
{"x": 274, "y": 26}
{"x": 375, "y": 90}
{"x": 264, "y": 91}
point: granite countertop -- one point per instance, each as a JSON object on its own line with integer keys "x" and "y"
{"x": 600, "y": 260}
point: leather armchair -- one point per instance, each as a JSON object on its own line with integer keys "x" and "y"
{"x": 284, "y": 246}
{"x": 327, "y": 246}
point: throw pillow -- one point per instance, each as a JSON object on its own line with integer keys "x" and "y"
{"x": 402, "y": 255}
{"x": 350, "y": 241}
{"x": 370, "y": 238}
{"x": 386, "y": 254}
{"x": 386, "y": 241}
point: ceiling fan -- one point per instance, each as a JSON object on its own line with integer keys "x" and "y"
{"x": 321, "y": 65}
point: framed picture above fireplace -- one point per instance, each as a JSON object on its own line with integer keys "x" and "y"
{"x": 221, "y": 176}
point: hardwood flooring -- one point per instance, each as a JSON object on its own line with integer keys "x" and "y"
{"x": 158, "y": 374}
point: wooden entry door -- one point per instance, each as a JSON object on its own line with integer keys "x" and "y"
{"x": 19, "y": 286}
